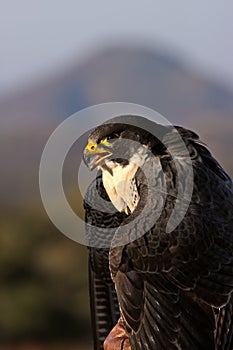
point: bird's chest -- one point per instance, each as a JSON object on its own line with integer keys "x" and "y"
{"x": 121, "y": 188}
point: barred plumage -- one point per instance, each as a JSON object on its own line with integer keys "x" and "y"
{"x": 174, "y": 289}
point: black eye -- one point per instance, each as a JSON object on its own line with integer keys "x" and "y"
{"x": 112, "y": 137}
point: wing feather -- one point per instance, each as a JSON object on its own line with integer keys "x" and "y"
{"x": 103, "y": 299}
{"x": 104, "y": 307}
{"x": 187, "y": 274}
{"x": 169, "y": 286}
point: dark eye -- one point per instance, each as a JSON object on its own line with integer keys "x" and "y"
{"x": 112, "y": 137}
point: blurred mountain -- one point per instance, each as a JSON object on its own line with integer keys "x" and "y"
{"x": 118, "y": 74}
{"x": 126, "y": 74}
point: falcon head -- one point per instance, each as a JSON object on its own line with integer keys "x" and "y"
{"x": 119, "y": 148}
{"x": 111, "y": 141}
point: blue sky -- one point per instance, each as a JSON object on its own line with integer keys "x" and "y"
{"x": 38, "y": 38}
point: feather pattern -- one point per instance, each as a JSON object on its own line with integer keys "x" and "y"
{"x": 174, "y": 289}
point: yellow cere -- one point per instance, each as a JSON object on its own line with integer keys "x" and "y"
{"x": 91, "y": 146}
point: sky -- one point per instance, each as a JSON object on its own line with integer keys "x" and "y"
{"x": 38, "y": 38}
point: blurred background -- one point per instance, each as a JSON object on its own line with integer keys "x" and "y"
{"x": 58, "y": 57}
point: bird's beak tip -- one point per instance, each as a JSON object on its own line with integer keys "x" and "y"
{"x": 94, "y": 158}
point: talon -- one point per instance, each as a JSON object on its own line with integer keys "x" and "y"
{"x": 117, "y": 338}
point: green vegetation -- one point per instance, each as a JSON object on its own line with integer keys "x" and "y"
{"x": 43, "y": 276}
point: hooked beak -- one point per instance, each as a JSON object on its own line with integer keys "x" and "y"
{"x": 95, "y": 154}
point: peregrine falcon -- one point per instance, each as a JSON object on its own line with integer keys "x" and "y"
{"x": 170, "y": 290}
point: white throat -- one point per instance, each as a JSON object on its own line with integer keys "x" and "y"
{"x": 121, "y": 185}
